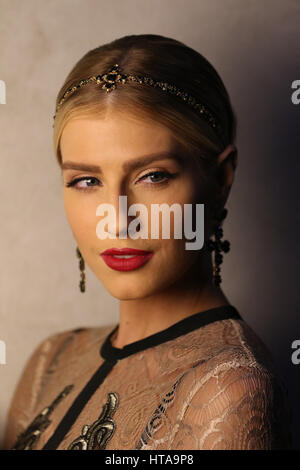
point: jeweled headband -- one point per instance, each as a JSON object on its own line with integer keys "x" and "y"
{"x": 110, "y": 79}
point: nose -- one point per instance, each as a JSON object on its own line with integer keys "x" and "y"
{"x": 122, "y": 219}
{"x": 115, "y": 212}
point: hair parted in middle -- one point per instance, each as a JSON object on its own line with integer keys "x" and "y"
{"x": 163, "y": 59}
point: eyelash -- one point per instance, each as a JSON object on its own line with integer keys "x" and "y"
{"x": 73, "y": 182}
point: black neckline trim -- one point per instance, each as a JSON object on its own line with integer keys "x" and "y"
{"x": 195, "y": 321}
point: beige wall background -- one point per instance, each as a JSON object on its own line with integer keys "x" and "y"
{"x": 254, "y": 45}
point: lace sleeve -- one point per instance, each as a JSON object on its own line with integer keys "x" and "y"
{"x": 236, "y": 408}
{"x": 29, "y": 385}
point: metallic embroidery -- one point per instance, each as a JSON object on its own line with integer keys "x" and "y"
{"x": 101, "y": 431}
{"x": 156, "y": 420}
{"x": 28, "y": 438}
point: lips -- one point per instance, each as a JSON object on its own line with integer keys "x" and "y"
{"x": 134, "y": 258}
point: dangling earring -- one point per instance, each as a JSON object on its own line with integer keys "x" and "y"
{"x": 82, "y": 272}
{"x": 218, "y": 245}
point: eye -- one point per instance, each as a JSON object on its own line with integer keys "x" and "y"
{"x": 74, "y": 183}
{"x": 158, "y": 177}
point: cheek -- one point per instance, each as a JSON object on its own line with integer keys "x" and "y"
{"x": 177, "y": 196}
{"x": 81, "y": 217}
{"x": 173, "y": 259}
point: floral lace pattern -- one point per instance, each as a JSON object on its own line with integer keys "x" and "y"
{"x": 215, "y": 387}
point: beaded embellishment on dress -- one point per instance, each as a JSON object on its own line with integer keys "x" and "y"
{"x": 230, "y": 395}
{"x": 101, "y": 431}
{"x": 155, "y": 421}
{"x": 28, "y": 439}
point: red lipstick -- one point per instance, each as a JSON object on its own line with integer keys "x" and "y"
{"x": 134, "y": 258}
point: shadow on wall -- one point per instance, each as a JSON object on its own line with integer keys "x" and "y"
{"x": 272, "y": 164}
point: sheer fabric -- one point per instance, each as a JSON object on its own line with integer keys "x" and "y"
{"x": 213, "y": 387}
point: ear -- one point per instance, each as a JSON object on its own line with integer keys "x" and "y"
{"x": 225, "y": 170}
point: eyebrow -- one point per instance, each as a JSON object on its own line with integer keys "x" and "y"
{"x": 130, "y": 165}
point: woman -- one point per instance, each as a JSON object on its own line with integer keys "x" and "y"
{"x": 149, "y": 118}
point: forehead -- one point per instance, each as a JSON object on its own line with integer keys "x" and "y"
{"x": 115, "y": 136}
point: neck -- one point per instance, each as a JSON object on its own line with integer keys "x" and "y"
{"x": 143, "y": 317}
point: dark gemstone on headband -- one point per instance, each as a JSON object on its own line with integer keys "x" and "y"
{"x": 111, "y": 76}
{"x": 114, "y": 76}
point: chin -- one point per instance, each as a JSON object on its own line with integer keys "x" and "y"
{"x": 129, "y": 293}
{"x": 125, "y": 289}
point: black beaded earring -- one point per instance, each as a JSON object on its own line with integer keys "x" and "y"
{"x": 82, "y": 271}
{"x": 218, "y": 245}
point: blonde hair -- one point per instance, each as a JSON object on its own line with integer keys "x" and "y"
{"x": 164, "y": 59}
